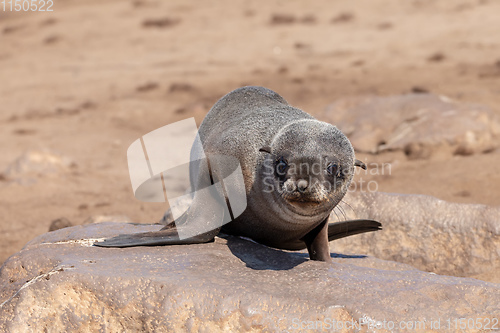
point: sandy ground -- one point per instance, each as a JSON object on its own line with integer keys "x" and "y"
{"x": 89, "y": 78}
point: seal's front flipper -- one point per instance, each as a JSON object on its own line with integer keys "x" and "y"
{"x": 317, "y": 239}
{"x": 163, "y": 237}
{"x": 317, "y": 243}
{"x": 343, "y": 229}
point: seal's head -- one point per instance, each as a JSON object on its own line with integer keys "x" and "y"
{"x": 309, "y": 167}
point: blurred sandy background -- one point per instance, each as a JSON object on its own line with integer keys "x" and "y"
{"x": 80, "y": 84}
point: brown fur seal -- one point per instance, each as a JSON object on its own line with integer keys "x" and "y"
{"x": 296, "y": 169}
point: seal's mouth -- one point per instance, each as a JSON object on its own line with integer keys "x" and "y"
{"x": 304, "y": 204}
{"x": 309, "y": 198}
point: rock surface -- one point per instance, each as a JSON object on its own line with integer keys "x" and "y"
{"x": 419, "y": 124}
{"x": 59, "y": 282}
{"x": 427, "y": 233}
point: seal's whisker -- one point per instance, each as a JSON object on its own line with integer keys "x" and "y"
{"x": 338, "y": 218}
{"x": 342, "y": 201}
{"x": 341, "y": 212}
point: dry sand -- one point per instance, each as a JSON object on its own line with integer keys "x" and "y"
{"x": 89, "y": 78}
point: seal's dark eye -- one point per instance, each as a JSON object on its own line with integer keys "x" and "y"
{"x": 333, "y": 169}
{"x": 281, "y": 166}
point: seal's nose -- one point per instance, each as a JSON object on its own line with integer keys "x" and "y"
{"x": 302, "y": 185}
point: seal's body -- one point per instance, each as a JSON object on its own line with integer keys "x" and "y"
{"x": 296, "y": 169}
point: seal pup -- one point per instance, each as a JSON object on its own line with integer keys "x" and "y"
{"x": 296, "y": 169}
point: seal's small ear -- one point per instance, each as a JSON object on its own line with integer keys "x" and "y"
{"x": 266, "y": 149}
{"x": 360, "y": 164}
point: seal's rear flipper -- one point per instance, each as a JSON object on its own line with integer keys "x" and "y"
{"x": 343, "y": 229}
{"x": 162, "y": 237}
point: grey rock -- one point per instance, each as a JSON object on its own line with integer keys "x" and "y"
{"x": 63, "y": 222}
{"x": 427, "y": 233}
{"x": 418, "y": 124}
{"x": 59, "y": 282}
